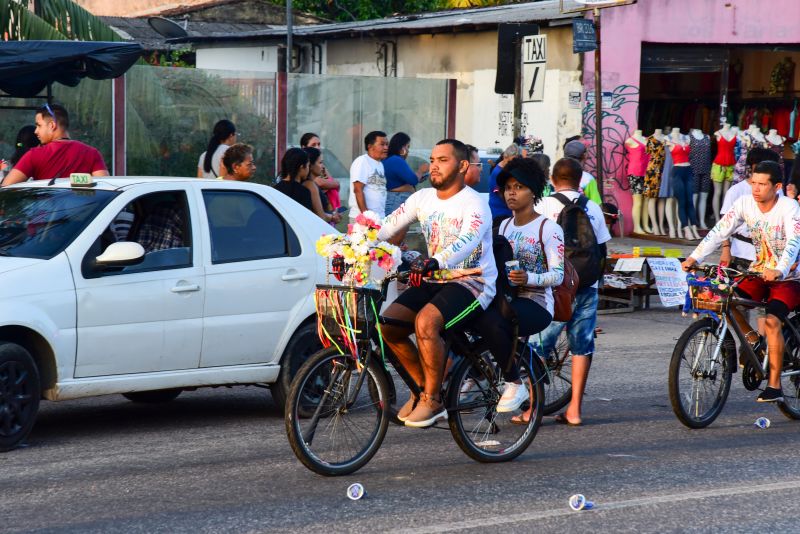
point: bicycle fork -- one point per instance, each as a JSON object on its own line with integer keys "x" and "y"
{"x": 722, "y": 331}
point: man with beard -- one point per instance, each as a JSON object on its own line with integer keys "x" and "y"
{"x": 451, "y": 287}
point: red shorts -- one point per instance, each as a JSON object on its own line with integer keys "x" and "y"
{"x": 781, "y": 297}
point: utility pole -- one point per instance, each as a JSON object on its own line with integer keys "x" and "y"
{"x": 598, "y": 106}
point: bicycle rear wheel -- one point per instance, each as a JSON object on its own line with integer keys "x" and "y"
{"x": 336, "y": 415}
{"x": 558, "y": 392}
{"x": 790, "y": 383}
{"x": 698, "y": 383}
{"x": 480, "y": 431}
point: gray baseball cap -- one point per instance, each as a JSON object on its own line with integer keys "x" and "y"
{"x": 574, "y": 149}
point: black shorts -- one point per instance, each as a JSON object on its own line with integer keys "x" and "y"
{"x": 455, "y": 302}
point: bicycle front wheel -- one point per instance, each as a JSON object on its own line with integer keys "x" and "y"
{"x": 336, "y": 415}
{"x": 698, "y": 382}
{"x": 480, "y": 431}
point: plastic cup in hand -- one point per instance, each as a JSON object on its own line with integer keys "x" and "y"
{"x": 578, "y": 502}
{"x": 512, "y": 265}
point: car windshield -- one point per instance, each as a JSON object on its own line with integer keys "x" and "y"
{"x": 40, "y": 223}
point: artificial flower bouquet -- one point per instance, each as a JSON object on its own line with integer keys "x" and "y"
{"x": 365, "y": 259}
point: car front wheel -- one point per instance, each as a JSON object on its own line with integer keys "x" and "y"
{"x": 20, "y": 391}
{"x": 303, "y": 344}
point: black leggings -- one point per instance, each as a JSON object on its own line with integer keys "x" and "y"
{"x": 491, "y": 326}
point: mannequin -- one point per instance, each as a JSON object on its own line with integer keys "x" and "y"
{"x": 750, "y": 138}
{"x": 681, "y": 184}
{"x": 635, "y": 146}
{"x": 722, "y": 168}
{"x": 655, "y": 208}
{"x": 775, "y": 143}
{"x": 700, "y": 160}
{"x": 665, "y": 192}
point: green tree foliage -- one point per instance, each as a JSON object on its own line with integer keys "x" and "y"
{"x": 347, "y": 10}
{"x": 57, "y": 20}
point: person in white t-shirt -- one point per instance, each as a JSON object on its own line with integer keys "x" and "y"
{"x": 210, "y": 163}
{"x": 774, "y": 225}
{"x": 580, "y": 328}
{"x": 457, "y": 224}
{"x": 738, "y": 251}
{"x": 367, "y": 177}
{"x": 538, "y": 245}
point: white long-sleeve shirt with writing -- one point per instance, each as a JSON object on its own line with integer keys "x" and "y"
{"x": 542, "y": 260}
{"x": 775, "y": 234}
{"x": 458, "y": 233}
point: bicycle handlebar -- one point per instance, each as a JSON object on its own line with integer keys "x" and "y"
{"x": 730, "y": 272}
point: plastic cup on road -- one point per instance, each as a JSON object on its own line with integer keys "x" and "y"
{"x": 355, "y": 491}
{"x": 578, "y": 502}
{"x": 762, "y": 422}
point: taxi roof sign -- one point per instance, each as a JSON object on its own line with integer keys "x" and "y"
{"x": 81, "y": 179}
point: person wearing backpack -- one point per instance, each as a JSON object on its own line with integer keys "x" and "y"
{"x": 585, "y": 235}
{"x": 538, "y": 245}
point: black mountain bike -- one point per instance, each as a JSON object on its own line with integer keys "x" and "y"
{"x": 343, "y": 398}
{"x": 705, "y": 356}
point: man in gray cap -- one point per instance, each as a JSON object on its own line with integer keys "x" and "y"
{"x": 577, "y": 150}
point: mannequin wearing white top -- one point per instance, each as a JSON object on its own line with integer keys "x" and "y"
{"x": 774, "y": 138}
{"x": 639, "y": 209}
{"x": 755, "y": 133}
{"x": 701, "y": 198}
{"x": 720, "y": 188}
{"x": 689, "y": 231}
{"x": 657, "y": 204}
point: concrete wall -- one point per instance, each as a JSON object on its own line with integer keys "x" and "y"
{"x": 625, "y": 28}
{"x": 483, "y": 117}
{"x": 249, "y": 58}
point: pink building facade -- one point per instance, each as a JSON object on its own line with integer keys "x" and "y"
{"x": 684, "y": 23}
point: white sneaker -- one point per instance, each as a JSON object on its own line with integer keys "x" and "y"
{"x": 513, "y": 397}
{"x": 472, "y": 390}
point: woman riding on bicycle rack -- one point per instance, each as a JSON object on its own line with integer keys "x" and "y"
{"x": 774, "y": 225}
{"x": 538, "y": 247}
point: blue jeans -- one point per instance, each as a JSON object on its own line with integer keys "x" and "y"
{"x": 580, "y": 328}
{"x": 682, "y": 188}
{"x": 394, "y": 200}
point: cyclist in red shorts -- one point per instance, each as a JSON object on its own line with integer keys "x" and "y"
{"x": 774, "y": 225}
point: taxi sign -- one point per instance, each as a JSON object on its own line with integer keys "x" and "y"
{"x": 81, "y": 179}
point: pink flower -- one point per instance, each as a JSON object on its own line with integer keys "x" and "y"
{"x": 350, "y": 228}
{"x": 386, "y": 262}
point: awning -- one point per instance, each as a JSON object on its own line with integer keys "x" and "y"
{"x": 27, "y": 67}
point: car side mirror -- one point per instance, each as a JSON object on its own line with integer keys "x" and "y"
{"x": 120, "y": 254}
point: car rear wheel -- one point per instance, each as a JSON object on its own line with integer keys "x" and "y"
{"x": 153, "y": 397}
{"x": 20, "y": 391}
{"x": 304, "y": 343}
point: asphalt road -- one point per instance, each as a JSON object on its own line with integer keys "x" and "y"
{"x": 218, "y": 461}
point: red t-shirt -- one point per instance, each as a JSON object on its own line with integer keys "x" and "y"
{"x": 59, "y": 159}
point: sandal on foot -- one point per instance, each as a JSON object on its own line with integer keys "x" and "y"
{"x": 521, "y": 419}
{"x": 561, "y": 419}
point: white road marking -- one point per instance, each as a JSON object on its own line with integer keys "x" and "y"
{"x": 486, "y": 522}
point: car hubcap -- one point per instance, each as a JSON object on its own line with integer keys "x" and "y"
{"x": 15, "y": 398}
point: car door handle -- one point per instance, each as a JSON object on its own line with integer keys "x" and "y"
{"x": 185, "y": 288}
{"x": 294, "y": 276}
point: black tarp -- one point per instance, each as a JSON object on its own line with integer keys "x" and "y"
{"x": 27, "y": 67}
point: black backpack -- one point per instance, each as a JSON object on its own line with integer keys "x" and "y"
{"x": 580, "y": 241}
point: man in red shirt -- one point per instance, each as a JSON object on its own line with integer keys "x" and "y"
{"x": 59, "y": 156}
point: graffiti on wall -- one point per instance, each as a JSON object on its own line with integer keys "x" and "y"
{"x": 616, "y": 129}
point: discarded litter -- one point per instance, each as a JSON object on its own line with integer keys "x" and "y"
{"x": 762, "y": 422}
{"x": 355, "y": 491}
{"x": 578, "y": 502}
{"x": 604, "y": 399}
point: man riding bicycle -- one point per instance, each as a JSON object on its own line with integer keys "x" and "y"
{"x": 456, "y": 223}
{"x": 774, "y": 225}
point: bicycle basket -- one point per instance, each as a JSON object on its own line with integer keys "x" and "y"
{"x": 710, "y": 296}
{"x": 346, "y": 312}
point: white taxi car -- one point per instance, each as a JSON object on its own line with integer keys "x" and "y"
{"x": 145, "y": 286}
